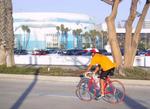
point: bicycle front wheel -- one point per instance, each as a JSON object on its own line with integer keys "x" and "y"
{"x": 115, "y": 92}
{"x": 82, "y": 91}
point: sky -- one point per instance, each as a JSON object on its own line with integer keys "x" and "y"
{"x": 94, "y": 8}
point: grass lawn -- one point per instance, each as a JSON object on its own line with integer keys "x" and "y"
{"x": 135, "y": 73}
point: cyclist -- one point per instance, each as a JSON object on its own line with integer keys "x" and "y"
{"x": 103, "y": 66}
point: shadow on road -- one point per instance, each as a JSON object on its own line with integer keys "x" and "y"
{"x": 133, "y": 104}
{"x": 20, "y": 100}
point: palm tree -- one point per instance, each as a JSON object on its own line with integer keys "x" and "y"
{"x": 86, "y": 36}
{"x": 58, "y": 34}
{"x": 102, "y": 35}
{"x": 93, "y": 34}
{"x": 66, "y": 37}
{"x": 79, "y": 38}
{"x": 62, "y": 28}
{"x": 26, "y": 36}
{"x": 24, "y": 28}
{"x": 77, "y": 33}
{"x": 74, "y": 35}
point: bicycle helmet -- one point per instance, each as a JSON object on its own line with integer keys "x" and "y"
{"x": 94, "y": 50}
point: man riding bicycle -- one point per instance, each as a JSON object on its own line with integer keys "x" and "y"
{"x": 103, "y": 65}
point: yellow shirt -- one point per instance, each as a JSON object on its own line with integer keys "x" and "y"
{"x": 103, "y": 61}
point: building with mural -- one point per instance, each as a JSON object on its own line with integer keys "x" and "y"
{"x": 37, "y": 30}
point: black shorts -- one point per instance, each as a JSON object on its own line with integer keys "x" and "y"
{"x": 104, "y": 74}
{"x": 94, "y": 67}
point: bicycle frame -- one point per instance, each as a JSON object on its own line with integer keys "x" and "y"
{"x": 106, "y": 83}
{"x": 93, "y": 85}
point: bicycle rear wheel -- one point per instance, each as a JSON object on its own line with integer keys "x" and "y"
{"x": 115, "y": 92}
{"x": 82, "y": 91}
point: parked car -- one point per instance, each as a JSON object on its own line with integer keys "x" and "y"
{"x": 84, "y": 53}
{"x": 73, "y": 52}
{"x": 147, "y": 53}
{"x": 103, "y": 51}
{"x": 142, "y": 52}
{"x": 20, "y": 52}
{"x": 53, "y": 51}
{"x": 39, "y": 52}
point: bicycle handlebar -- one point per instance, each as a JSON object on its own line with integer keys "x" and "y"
{"x": 90, "y": 75}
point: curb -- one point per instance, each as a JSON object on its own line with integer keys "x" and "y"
{"x": 39, "y": 77}
{"x": 69, "y": 79}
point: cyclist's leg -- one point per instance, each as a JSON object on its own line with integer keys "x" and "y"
{"x": 101, "y": 82}
{"x": 102, "y": 77}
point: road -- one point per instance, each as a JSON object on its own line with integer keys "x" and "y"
{"x": 43, "y": 94}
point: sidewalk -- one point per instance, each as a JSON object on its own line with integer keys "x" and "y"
{"x": 70, "y": 79}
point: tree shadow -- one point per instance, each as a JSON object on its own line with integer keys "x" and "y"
{"x": 133, "y": 104}
{"x": 20, "y": 100}
{"x": 79, "y": 64}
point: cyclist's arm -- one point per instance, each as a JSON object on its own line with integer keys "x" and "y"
{"x": 96, "y": 70}
{"x": 89, "y": 68}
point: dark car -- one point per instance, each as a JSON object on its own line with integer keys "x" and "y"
{"x": 142, "y": 52}
{"x": 104, "y": 52}
{"x": 20, "y": 52}
{"x": 53, "y": 51}
{"x": 73, "y": 52}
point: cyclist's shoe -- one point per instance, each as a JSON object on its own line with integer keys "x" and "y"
{"x": 99, "y": 97}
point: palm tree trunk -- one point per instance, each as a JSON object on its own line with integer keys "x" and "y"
{"x": 10, "y": 58}
{"x": 66, "y": 40}
{"x": 10, "y": 34}
{"x": 73, "y": 41}
{"x": 28, "y": 38}
{"x": 2, "y": 33}
{"x": 78, "y": 41}
{"x": 2, "y": 55}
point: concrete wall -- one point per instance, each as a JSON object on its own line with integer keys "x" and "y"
{"x": 69, "y": 60}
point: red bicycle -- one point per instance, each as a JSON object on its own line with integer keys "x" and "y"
{"x": 88, "y": 88}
